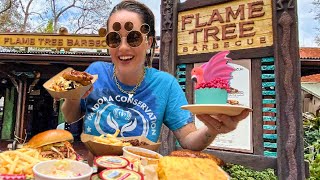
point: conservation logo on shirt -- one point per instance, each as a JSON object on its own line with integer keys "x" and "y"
{"x": 131, "y": 116}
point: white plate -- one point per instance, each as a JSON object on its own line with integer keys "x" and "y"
{"x": 212, "y": 109}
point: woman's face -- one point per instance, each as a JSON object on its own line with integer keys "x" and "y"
{"x": 127, "y": 59}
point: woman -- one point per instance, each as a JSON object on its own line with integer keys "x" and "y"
{"x": 137, "y": 99}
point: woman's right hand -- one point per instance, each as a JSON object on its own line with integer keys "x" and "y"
{"x": 87, "y": 93}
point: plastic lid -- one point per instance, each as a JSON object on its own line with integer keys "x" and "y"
{"x": 117, "y": 174}
{"x": 111, "y": 162}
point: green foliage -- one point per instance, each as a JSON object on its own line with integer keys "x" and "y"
{"x": 238, "y": 172}
{"x": 315, "y": 168}
{"x": 311, "y": 127}
{"x": 48, "y": 28}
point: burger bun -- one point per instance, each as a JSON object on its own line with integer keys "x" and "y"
{"x": 49, "y": 137}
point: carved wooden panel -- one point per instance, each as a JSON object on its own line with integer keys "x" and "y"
{"x": 290, "y": 136}
{"x": 167, "y": 62}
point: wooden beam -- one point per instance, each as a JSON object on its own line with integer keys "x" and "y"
{"x": 310, "y": 96}
{"x": 290, "y": 161}
{"x": 14, "y": 57}
{"x": 238, "y": 54}
{"x": 188, "y": 5}
{"x": 257, "y": 121}
{"x": 168, "y": 61}
{"x": 189, "y": 84}
{"x": 256, "y": 162}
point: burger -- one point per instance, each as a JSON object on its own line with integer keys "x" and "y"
{"x": 53, "y": 144}
{"x": 71, "y": 80}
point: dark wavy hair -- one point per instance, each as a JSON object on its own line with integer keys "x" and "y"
{"x": 146, "y": 16}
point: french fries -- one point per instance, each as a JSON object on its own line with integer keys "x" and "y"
{"x": 111, "y": 139}
{"x": 19, "y": 161}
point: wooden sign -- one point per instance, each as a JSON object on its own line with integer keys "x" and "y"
{"x": 234, "y": 25}
{"x": 264, "y": 32}
{"x": 52, "y": 41}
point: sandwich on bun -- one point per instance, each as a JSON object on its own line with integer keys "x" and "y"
{"x": 53, "y": 144}
{"x": 71, "y": 80}
{"x": 83, "y": 78}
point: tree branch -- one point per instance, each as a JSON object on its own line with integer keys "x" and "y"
{"x": 7, "y": 7}
{"x": 68, "y": 7}
{"x": 23, "y": 10}
{"x": 36, "y": 13}
{"x": 26, "y": 15}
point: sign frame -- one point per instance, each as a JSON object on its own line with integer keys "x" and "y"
{"x": 289, "y": 162}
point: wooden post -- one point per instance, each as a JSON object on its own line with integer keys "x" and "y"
{"x": 167, "y": 60}
{"x": 290, "y": 161}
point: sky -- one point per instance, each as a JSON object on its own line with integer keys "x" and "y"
{"x": 306, "y": 22}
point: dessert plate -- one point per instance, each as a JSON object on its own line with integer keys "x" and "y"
{"x": 213, "y": 109}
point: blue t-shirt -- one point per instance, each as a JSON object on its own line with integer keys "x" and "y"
{"x": 157, "y": 100}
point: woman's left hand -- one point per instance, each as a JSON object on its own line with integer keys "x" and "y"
{"x": 222, "y": 123}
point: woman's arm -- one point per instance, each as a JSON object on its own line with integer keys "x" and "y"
{"x": 198, "y": 139}
{"x": 191, "y": 138}
{"x": 71, "y": 110}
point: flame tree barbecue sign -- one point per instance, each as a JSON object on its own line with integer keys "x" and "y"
{"x": 52, "y": 41}
{"x": 235, "y": 25}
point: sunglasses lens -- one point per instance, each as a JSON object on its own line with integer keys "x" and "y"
{"x": 128, "y": 26}
{"x": 113, "y": 39}
{"x": 134, "y": 38}
{"x": 145, "y": 28}
{"x": 116, "y": 26}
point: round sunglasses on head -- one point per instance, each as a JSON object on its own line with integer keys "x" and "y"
{"x": 134, "y": 38}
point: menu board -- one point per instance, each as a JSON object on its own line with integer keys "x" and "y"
{"x": 240, "y": 139}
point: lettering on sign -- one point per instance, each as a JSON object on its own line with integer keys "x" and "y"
{"x": 47, "y": 41}
{"x": 234, "y": 25}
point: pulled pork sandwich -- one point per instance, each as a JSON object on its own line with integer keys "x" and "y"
{"x": 71, "y": 80}
{"x": 54, "y": 144}
{"x": 83, "y": 78}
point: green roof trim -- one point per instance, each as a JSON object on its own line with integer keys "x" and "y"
{"x": 312, "y": 88}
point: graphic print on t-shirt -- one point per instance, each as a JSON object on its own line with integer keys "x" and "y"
{"x": 120, "y": 119}
{"x": 157, "y": 101}
{"x": 131, "y": 116}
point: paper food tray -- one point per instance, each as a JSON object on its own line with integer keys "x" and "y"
{"x": 70, "y": 94}
{"x": 99, "y": 149}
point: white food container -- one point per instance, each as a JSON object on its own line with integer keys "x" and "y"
{"x": 41, "y": 169}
